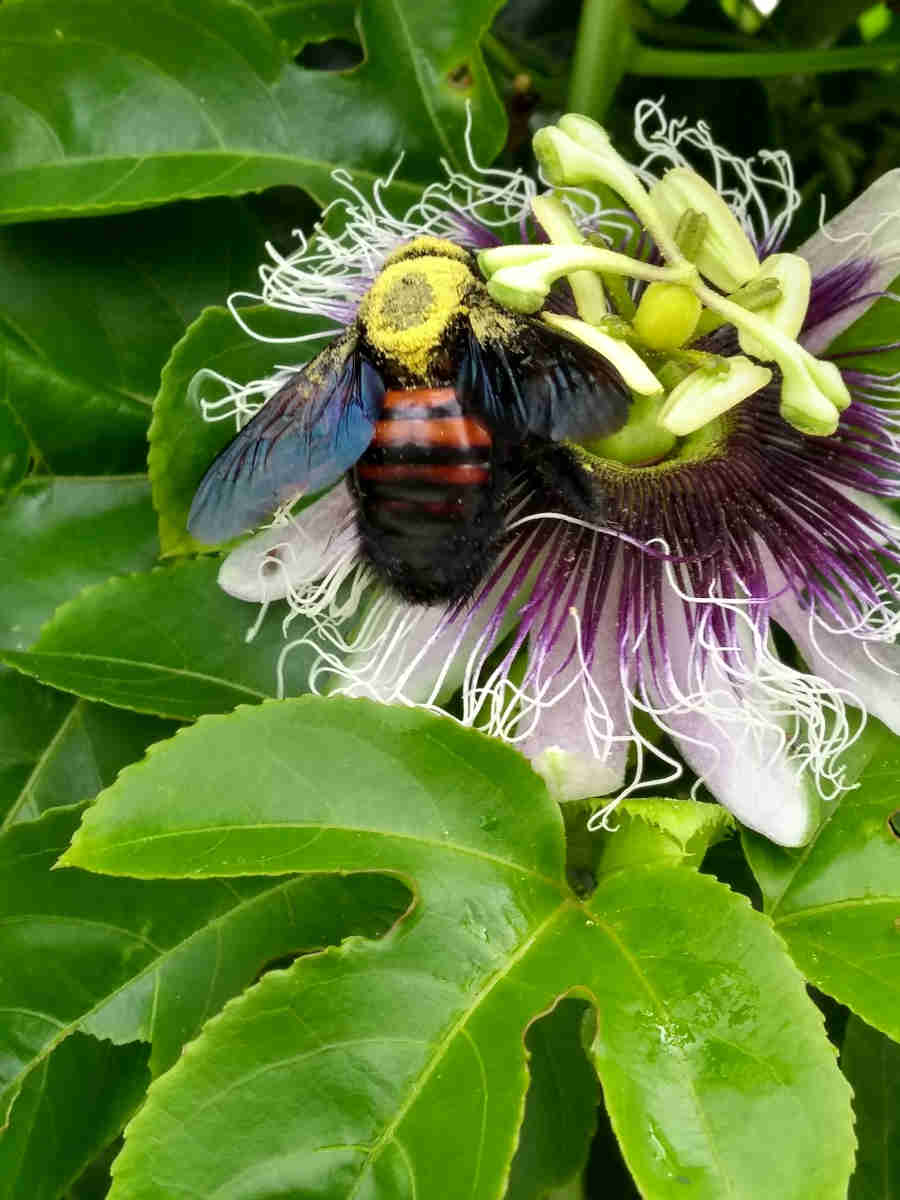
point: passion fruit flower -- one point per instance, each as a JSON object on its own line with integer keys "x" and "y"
{"x": 642, "y": 575}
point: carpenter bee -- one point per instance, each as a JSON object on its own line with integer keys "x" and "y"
{"x": 430, "y": 402}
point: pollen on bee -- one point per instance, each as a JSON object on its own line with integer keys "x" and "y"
{"x": 410, "y": 305}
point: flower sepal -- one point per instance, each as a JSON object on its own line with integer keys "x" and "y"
{"x": 655, "y": 830}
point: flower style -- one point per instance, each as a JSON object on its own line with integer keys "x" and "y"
{"x": 635, "y": 603}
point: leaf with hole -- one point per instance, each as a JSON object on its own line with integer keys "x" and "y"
{"x": 109, "y": 107}
{"x": 398, "y": 1067}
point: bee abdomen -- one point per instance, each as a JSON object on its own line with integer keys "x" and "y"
{"x": 426, "y": 490}
{"x": 425, "y": 457}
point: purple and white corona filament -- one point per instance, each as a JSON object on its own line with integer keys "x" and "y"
{"x": 745, "y": 493}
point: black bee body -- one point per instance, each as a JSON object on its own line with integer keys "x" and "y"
{"x": 429, "y": 490}
{"x": 430, "y": 403}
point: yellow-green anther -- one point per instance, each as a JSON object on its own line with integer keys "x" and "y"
{"x": 578, "y": 153}
{"x": 829, "y": 380}
{"x": 758, "y": 295}
{"x": 813, "y": 392}
{"x": 667, "y": 316}
{"x": 557, "y": 223}
{"x": 524, "y": 288}
{"x": 725, "y": 256}
{"x": 498, "y": 257}
{"x": 691, "y": 232}
{"x": 634, "y": 371}
{"x": 791, "y": 275}
{"x": 804, "y": 405}
{"x": 671, "y": 373}
{"x": 705, "y": 395}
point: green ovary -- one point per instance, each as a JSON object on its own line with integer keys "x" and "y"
{"x": 641, "y": 440}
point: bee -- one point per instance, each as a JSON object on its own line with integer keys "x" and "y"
{"x": 429, "y": 402}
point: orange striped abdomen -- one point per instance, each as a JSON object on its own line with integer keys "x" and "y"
{"x": 425, "y": 487}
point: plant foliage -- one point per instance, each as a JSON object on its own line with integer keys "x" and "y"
{"x": 320, "y": 947}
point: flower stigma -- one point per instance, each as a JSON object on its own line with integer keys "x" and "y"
{"x": 627, "y": 622}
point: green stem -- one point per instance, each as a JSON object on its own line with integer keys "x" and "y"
{"x": 704, "y": 64}
{"x": 687, "y": 35}
{"x": 603, "y": 48}
{"x": 501, "y": 55}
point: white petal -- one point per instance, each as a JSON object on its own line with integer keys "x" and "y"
{"x": 870, "y": 670}
{"x": 867, "y": 228}
{"x": 574, "y": 765}
{"x": 269, "y": 565}
{"x": 410, "y": 654}
{"x": 748, "y": 773}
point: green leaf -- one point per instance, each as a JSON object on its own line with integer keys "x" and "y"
{"x": 299, "y": 22}
{"x": 713, "y": 1060}
{"x": 653, "y": 830}
{"x": 30, "y": 716}
{"x": 876, "y": 327}
{"x": 56, "y": 751}
{"x": 15, "y": 447}
{"x": 51, "y": 1136}
{"x": 561, "y": 1107}
{"x": 127, "y": 959}
{"x": 182, "y": 444}
{"x": 109, "y": 107}
{"x": 872, "y": 1064}
{"x": 58, "y": 536}
{"x": 169, "y": 642}
{"x": 836, "y": 901}
{"x": 88, "y": 313}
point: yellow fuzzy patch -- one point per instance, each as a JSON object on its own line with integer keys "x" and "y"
{"x": 410, "y": 305}
{"x": 428, "y": 245}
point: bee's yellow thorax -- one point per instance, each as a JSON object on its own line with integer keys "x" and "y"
{"x": 409, "y": 306}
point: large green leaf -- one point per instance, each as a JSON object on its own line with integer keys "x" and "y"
{"x": 58, "y": 536}
{"x": 57, "y": 751}
{"x": 872, "y": 1064}
{"x": 69, "y": 1109}
{"x": 88, "y": 313}
{"x": 182, "y": 444}
{"x": 169, "y": 642}
{"x": 836, "y": 901}
{"x": 398, "y": 1068}
{"x": 128, "y": 959}
{"x": 109, "y": 107}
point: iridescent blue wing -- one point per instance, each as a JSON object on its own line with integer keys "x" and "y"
{"x": 309, "y": 434}
{"x": 537, "y": 382}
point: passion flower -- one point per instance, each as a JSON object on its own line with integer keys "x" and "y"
{"x": 643, "y": 575}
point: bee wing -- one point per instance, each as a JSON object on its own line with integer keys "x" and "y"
{"x": 311, "y": 431}
{"x": 542, "y": 383}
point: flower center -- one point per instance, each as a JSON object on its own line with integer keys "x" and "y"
{"x": 710, "y": 276}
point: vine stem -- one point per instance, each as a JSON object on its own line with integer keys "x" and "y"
{"x": 603, "y": 49}
{"x": 706, "y": 64}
